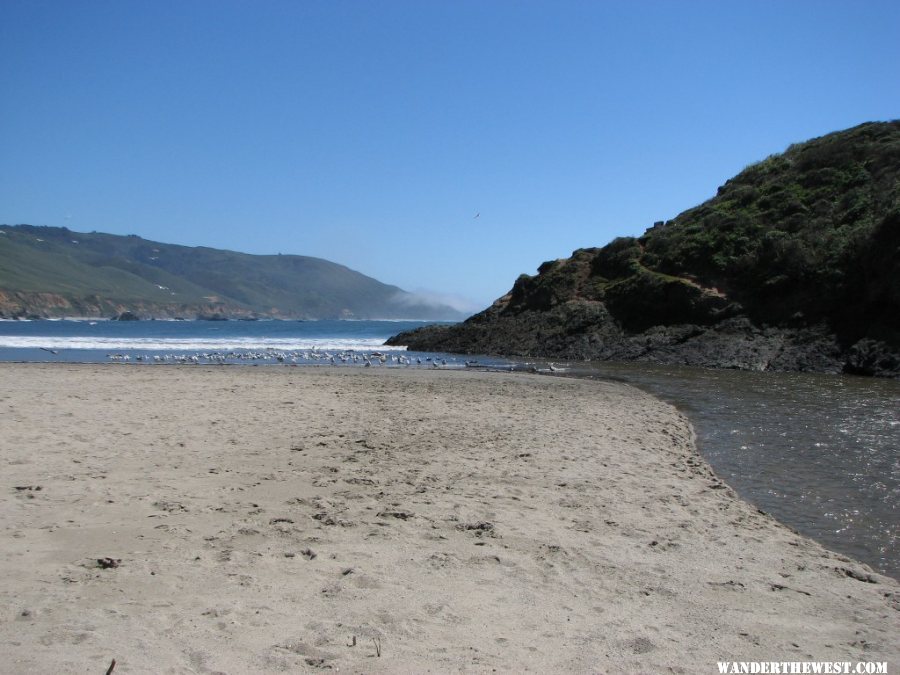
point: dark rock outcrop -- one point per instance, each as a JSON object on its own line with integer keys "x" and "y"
{"x": 793, "y": 266}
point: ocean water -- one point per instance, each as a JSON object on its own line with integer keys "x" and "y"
{"x": 258, "y": 342}
{"x": 820, "y": 453}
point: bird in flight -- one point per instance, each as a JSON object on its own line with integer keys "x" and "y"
{"x": 476, "y": 215}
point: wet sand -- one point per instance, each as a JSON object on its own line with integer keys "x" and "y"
{"x": 274, "y": 519}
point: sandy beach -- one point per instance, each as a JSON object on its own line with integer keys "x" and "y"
{"x": 274, "y": 519}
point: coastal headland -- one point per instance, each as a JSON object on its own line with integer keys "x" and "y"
{"x": 791, "y": 266}
{"x": 252, "y": 519}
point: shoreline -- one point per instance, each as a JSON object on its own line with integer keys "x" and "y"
{"x": 717, "y": 448}
{"x": 264, "y": 518}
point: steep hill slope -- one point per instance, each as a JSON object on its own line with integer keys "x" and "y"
{"x": 793, "y": 265}
{"x": 50, "y": 271}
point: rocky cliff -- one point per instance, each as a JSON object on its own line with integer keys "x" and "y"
{"x": 793, "y": 265}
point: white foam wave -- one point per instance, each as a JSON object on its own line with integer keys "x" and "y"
{"x": 195, "y": 344}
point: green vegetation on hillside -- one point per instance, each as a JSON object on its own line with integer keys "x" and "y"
{"x": 807, "y": 236}
{"x": 54, "y": 271}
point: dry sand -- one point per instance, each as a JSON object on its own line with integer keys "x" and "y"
{"x": 295, "y": 519}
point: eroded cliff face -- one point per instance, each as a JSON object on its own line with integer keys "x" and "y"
{"x": 17, "y": 305}
{"x": 35, "y": 305}
{"x": 794, "y": 265}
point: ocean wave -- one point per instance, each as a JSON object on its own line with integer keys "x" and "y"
{"x": 225, "y": 344}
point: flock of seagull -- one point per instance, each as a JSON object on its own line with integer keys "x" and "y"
{"x": 271, "y": 355}
{"x": 349, "y": 357}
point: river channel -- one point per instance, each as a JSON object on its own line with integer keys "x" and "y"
{"x": 819, "y": 452}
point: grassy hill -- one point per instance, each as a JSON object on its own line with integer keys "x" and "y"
{"x": 793, "y": 265}
{"x": 51, "y": 271}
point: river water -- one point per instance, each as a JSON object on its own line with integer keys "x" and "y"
{"x": 819, "y": 452}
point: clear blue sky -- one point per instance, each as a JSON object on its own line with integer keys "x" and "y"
{"x": 371, "y": 133}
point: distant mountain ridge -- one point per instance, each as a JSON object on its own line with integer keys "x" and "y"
{"x": 793, "y": 265}
{"x": 51, "y": 272}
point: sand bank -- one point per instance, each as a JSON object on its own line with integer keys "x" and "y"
{"x": 295, "y": 519}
